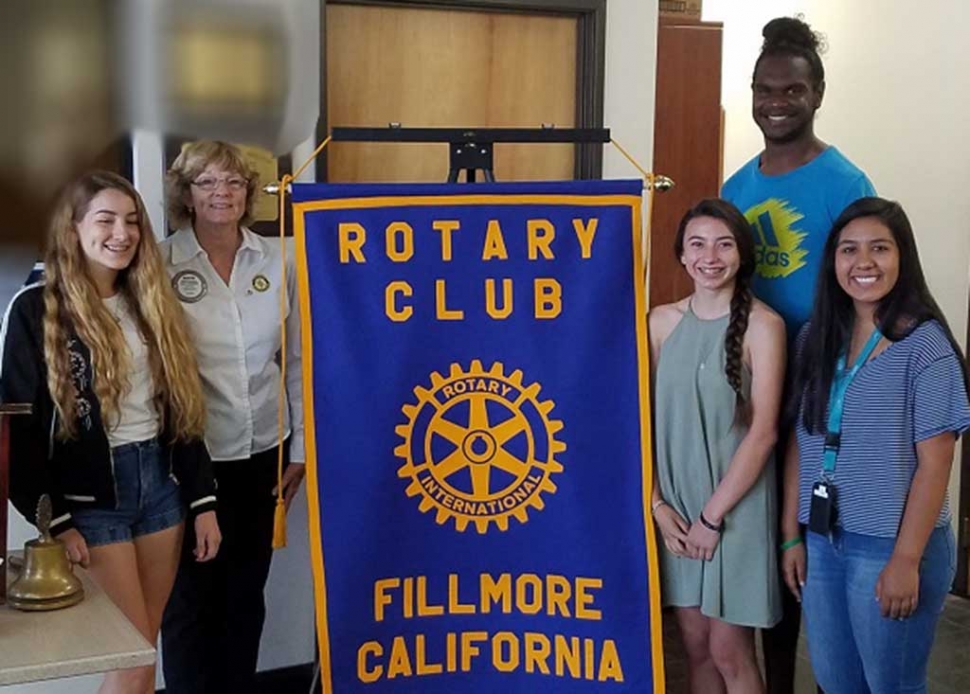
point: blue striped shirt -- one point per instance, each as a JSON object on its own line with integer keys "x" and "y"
{"x": 910, "y": 392}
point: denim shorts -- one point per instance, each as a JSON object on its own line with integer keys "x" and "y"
{"x": 148, "y": 498}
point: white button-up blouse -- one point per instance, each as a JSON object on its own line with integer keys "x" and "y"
{"x": 236, "y": 329}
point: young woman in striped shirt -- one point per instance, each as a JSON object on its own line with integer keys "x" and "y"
{"x": 880, "y": 399}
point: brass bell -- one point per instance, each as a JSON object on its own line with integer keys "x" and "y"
{"x": 46, "y": 581}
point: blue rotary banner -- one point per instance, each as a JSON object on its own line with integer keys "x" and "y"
{"x": 478, "y": 442}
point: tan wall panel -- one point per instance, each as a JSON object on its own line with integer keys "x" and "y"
{"x": 447, "y": 68}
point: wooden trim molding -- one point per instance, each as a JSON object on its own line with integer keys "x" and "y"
{"x": 961, "y": 582}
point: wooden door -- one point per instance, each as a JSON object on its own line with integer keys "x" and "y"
{"x": 426, "y": 67}
{"x": 687, "y": 141}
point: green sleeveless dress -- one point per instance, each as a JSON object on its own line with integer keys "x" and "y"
{"x": 695, "y": 439}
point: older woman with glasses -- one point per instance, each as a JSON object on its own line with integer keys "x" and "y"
{"x": 228, "y": 280}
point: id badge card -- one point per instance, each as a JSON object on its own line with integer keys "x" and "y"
{"x": 822, "y": 513}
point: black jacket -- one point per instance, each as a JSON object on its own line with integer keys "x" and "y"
{"x": 78, "y": 472}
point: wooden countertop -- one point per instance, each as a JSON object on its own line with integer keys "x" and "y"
{"x": 92, "y": 636}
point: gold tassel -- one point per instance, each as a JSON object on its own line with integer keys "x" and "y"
{"x": 279, "y": 514}
{"x": 279, "y": 525}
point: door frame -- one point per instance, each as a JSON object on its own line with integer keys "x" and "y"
{"x": 590, "y": 62}
{"x": 960, "y": 582}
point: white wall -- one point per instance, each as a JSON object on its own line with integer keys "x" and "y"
{"x": 16, "y": 260}
{"x": 896, "y": 98}
{"x": 630, "y": 90}
{"x": 288, "y": 638}
{"x": 631, "y": 77}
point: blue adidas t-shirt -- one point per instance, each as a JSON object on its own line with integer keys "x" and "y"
{"x": 791, "y": 216}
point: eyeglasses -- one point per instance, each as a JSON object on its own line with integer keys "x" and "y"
{"x": 210, "y": 183}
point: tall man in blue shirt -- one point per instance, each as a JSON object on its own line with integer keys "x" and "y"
{"x": 795, "y": 188}
{"x": 791, "y": 194}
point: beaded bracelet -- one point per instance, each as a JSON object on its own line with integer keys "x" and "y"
{"x": 794, "y": 542}
{"x": 657, "y": 504}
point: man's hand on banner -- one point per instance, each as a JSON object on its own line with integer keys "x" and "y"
{"x": 208, "y": 537}
{"x": 674, "y": 529}
{"x": 701, "y": 541}
{"x": 292, "y": 478}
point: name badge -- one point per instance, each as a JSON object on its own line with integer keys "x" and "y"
{"x": 189, "y": 286}
{"x": 823, "y": 510}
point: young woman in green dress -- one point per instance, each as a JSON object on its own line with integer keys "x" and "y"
{"x": 719, "y": 367}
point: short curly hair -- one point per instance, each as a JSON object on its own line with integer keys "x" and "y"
{"x": 191, "y": 162}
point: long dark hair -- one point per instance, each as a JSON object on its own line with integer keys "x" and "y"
{"x": 741, "y": 300}
{"x": 908, "y": 304}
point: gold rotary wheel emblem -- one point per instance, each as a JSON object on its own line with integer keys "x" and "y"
{"x": 479, "y": 447}
{"x": 261, "y": 283}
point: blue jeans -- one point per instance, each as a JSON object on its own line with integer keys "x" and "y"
{"x": 853, "y": 648}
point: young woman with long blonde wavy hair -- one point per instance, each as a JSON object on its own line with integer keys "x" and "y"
{"x": 102, "y": 351}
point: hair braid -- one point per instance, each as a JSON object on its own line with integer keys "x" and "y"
{"x": 734, "y": 347}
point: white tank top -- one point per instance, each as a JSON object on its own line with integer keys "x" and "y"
{"x": 139, "y": 417}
